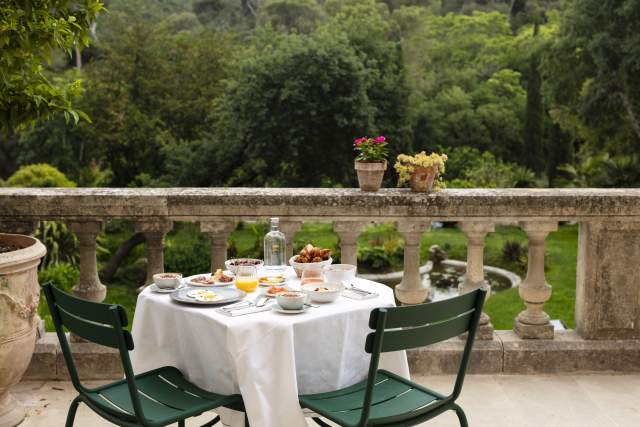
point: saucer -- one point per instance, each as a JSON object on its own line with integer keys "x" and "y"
{"x": 154, "y": 288}
{"x": 275, "y": 307}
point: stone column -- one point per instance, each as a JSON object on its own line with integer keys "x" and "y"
{"x": 533, "y": 322}
{"x": 88, "y": 286}
{"x": 154, "y": 232}
{"x": 476, "y": 232}
{"x": 607, "y": 287}
{"x": 411, "y": 290}
{"x": 289, "y": 228}
{"x": 218, "y": 233}
{"x": 348, "y": 231}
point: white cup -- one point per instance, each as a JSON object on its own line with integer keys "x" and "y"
{"x": 167, "y": 280}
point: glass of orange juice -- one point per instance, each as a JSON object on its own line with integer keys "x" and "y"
{"x": 247, "y": 278}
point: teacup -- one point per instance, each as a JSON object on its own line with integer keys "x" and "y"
{"x": 291, "y": 300}
{"x": 338, "y": 273}
{"x": 167, "y": 280}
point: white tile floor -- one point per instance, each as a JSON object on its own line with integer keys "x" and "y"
{"x": 597, "y": 400}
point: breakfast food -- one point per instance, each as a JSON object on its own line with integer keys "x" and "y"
{"x": 322, "y": 289}
{"x": 244, "y": 261}
{"x": 271, "y": 280}
{"x": 204, "y": 295}
{"x": 219, "y": 276}
{"x": 169, "y": 276}
{"x": 311, "y": 253}
{"x": 275, "y": 290}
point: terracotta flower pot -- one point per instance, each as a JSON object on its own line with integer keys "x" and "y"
{"x": 422, "y": 179}
{"x": 370, "y": 174}
{"x": 19, "y": 297}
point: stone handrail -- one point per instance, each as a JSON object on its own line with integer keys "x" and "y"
{"x": 607, "y": 297}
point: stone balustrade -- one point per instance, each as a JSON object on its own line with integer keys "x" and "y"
{"x": 608, "y": 295}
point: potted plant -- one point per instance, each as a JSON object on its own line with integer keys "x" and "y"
{"x": 420, "y": 171}
{"x": 371, "y": 161}
{"x": 19, "y": 296}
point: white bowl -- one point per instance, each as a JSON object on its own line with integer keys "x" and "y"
{"x": 335, "y": 290}
{"x": 300, "y": 266}
{"x": 234, "y": 268}
{"x": 167, "y": 280}
{"x": 291, "y": 300}
{"x": 339, "y": 272}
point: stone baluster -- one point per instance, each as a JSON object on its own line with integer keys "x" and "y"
{"x": 218, "y": 233}
{"x": 533, "y": 322}
{"x": 88, "y": 286}
{"x": 154, "y": 232}
{"x": 476, "y": 231}
{"x": 411, "y": 290}
{"x": 289, "y": 228}
{"x": 348, "y": 232}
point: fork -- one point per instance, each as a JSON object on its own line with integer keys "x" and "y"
{"x": 237, "y": 306}
{"x": 362, "y": 291}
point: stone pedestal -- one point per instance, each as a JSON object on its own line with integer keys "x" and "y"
{"x": 411, "y": 289}
{"x": 348, "y": 231}
{"x": 476, "y": 232}
{"x": 533, "y": 322}
{"x": 154, "y": 233}
{"x": 607, "y": 280}
{"x": 289, "y": 228}
{"x": 218, "y": 233}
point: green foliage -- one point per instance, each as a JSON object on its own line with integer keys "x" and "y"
{"x": 467, "y": 168}
{"x": 300, "y": 16}
{"x": 292, "y": 99}
{"x": 30, "y": 32}
{"x": 39, "y": 175}
{"x": 63, "y": 276}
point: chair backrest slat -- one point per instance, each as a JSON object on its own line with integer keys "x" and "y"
{"x": 92, "y": 311}
{"x": 421, "y": 314}
{"x": 403, "y": 339}
{"x": 99, "y": 333}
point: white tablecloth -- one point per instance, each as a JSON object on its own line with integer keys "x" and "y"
{"x": 267, "y": 357}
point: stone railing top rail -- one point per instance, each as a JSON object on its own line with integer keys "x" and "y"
{"x": 195, "y": 204}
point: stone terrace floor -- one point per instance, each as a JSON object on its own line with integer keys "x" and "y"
{"x": 597, "y": 400}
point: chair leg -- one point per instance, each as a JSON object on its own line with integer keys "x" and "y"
{"x": 213, "y": 422}
{"x": 461, "y": 416}
{"x": 319, "y": 421}
{"x": 181, "y": 423}
{"x": 71, "y": 415}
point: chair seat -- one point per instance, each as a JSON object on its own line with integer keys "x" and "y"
{"x": 165, "y": 396}
{"x": 395, "y": 399}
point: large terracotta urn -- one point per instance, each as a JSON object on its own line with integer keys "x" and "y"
{"x": 19, "y": 296}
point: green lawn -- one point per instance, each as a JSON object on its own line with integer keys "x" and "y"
{"x": 187, "y": 251}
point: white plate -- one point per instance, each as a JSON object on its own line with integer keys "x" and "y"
{"x": 189, "y": 281}
{"x": 154, "y": 288}
{"x": 275, "y": 307}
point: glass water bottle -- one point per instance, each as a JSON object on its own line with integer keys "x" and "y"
{"x": 275, "y": 248}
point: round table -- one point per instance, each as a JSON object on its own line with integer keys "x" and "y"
{"x": 268, "y": 357}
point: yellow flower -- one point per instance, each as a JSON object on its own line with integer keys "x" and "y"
{"x": 406, "y": 164}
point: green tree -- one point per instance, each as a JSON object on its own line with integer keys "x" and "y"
{"x": 298, "y": 15}
{"x": 291, "y": 101}
{"x": 30, "y": 32}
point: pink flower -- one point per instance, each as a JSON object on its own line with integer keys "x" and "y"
{"x": 357, "y": 142}
{"x": 380, "y": 140}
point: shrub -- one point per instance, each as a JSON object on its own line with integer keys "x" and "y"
{"x": 39, "y": 175}
{"x": 63, "y": 276}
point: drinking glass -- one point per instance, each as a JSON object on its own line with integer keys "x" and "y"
{"x": 247, "y": 278}
{"x": 311, "y": 275}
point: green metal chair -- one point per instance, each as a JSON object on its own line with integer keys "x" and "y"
{"x": 151, "y": 399}
{"x": 386, "y": 399}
